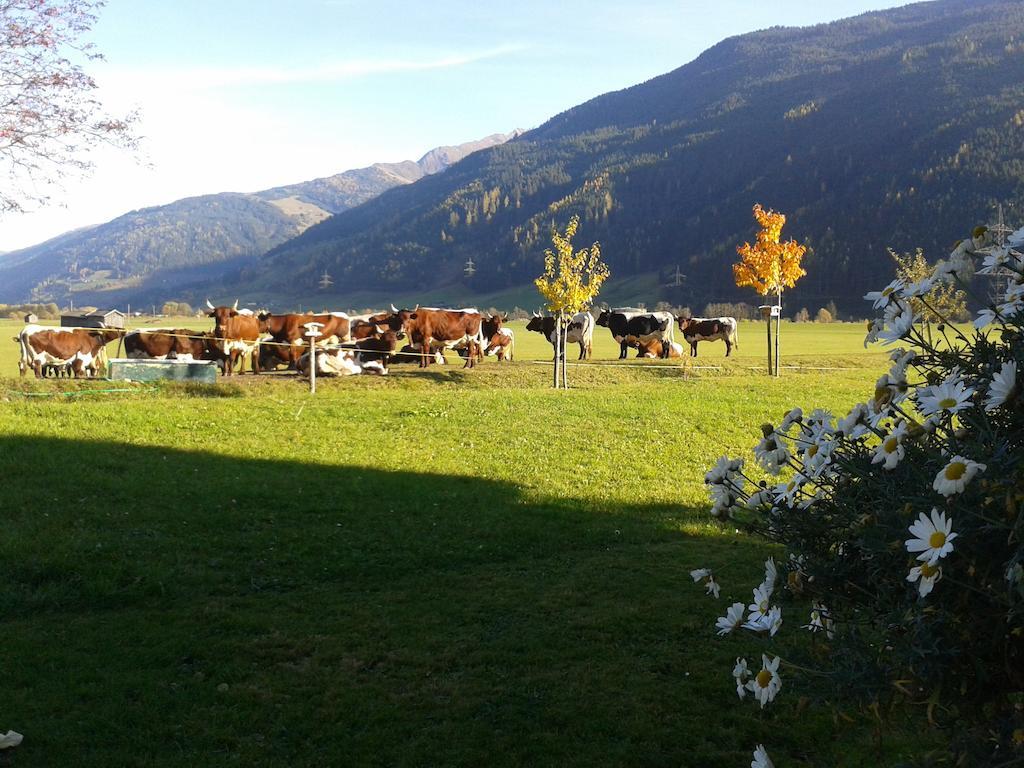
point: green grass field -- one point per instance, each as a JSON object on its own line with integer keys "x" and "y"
{"x": 428, "y": 569}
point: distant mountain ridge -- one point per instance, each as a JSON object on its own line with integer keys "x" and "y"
{"x": 897, "y": 128}
{"x": 153, "y": 251}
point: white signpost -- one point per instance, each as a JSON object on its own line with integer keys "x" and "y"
{"x": 312, "y": 333}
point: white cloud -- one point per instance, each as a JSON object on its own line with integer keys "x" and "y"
{"x": 224, "y": 77}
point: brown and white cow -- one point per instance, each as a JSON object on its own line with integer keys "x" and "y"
{"x": 453, "y": 328}
{"x": 237, "y": 333}
{"x": 166, "y": 343}
{"x": 291, "y": 328}
{"x": 81, "y": 349}
{"x": 653, "y": 348}
{"x": 498, "y": 340}
{"x": 696, "y": 329}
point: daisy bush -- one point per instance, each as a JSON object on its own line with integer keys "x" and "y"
{"x": 901, "y": 521}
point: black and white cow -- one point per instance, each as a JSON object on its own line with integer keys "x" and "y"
{"x": 579, "y": 331}
{"x": 644, "y": 326}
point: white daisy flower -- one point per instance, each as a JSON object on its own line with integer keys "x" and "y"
{"x": 890, "y": 451}
{"x": 821, "y": 621}
{"x": 762, "y": 497}
{"x": 820, "y": 421}
{"x": 950, "y": 396}
{"x": 933, "y": 537}
{"x": 818, "y": 455}
{"x": 724, "y": 469}
{"x": 732, "y": 620}
{"x": 985, "y": 317}
{"x": 771, "y": 573}
{"x": 10, "y": 739}
{"x": 766, "y": 684}
{"x": 956, "y": 475}
{"x": 996, "y": 257}
{"x": 761, "y": 759}
{"x": 712, "y": 587}
{"x": 786, "y": 493}
{"x": 854, "y": 424}
{"x": 773, "y": 620}
{"x": 762, "y": 598}
{"x": 1017, "y": 238}
{"x": 926, "y": 575}
{"x": 882, "y": 297}
{"x": 794, "y": 416}
{"x": 771, "y": 454}
{"x": 898, "y": 326}
{"x": 1003, "y": 387}
{"x": 875, "y": 328}
{"x": 920, "y": 288}
{"x": 1015, "y": 574}
{"x": 741, "y": 675}
{"x": 699, "y": 573}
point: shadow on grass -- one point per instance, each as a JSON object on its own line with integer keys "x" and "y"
{"x": 178, "y": 608}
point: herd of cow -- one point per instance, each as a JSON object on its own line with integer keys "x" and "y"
{"x": 357, "y": 343}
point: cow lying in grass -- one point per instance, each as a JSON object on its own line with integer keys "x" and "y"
{"x": 654, "y": 348}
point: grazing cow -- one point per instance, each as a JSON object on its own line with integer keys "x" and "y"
{"x": 696, "y": 329}
{"x": 164, "y": 344}
{"x": 426, "y": 326}
{"x": 80, "y": 349}
{"x": 644, "y": 326}
{"x": 652, "y": 348}
{"x": 579, "y": 331}
{"x": 237, "y": 333}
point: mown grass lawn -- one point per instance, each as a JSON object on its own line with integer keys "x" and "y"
{"x": 447, "y": 568}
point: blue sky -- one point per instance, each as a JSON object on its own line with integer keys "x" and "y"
{"x": 242, "y": 96}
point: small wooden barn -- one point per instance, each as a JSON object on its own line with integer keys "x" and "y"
{"x": 31, "y": 317}
{"x": 98, "y": 318}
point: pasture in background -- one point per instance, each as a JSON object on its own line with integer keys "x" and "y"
{"x": 804, "y": 345}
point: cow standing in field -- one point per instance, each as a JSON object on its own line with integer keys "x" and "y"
{"x": 696, "y": 329}
{"x": 237, "y": 333}
{"x": 453, "y": 328}
{"x": 579, "y": 331}
{"x": 644, "y": 326}
{"x": 80, "y": 349}
{"x": 289, "y": 330}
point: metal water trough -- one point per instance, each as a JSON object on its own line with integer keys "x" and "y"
{"x": 129, "y": 369}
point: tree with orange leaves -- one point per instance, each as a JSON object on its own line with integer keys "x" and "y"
{"x": 768, "y": 266}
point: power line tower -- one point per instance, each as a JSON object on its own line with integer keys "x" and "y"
{"x": 676, "y": 281}
{"x": 999, "y": 276}
{"x": 325, "y": 281}
{"x": 470, "y": 269}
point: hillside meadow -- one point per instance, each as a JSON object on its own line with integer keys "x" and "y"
{"x": 432, "y": 568}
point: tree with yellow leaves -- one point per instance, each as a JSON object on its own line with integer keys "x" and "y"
{"x": 569, "y": 284}
{"x": 768, "y": 266}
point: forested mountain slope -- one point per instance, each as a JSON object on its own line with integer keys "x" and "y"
{"x": 903, "y": 127}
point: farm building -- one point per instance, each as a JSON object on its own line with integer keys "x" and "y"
{"x": 98, "y": 318}
{"x": 31, "y": 317}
